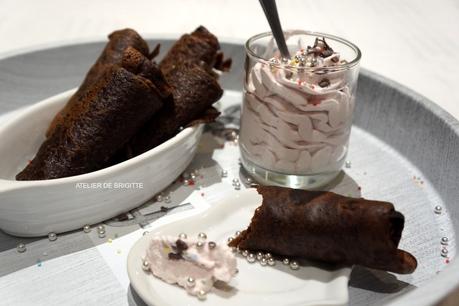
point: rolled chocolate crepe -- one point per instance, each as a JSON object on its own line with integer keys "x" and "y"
{"x": 194, "y": 91}
{"x": 112, "y": 54}
{"x": 327, "y": 227}
{"x": 101, "y": 122}
{"x": 188, "y": 69}
{"x": 200, "y": 47}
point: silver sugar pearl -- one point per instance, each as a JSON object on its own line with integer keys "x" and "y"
{"x": 260, "y": 255}
{"x": 21, "y": 248}
{"x": 167, "y": 199}
{"x": 444, "y": 240}
{"x": 199, "y": 244}
{"x": 347, "y": 164}
{"x": 212, "y": 245}
{"x": 186, "y": 182}
{"x": 235, "y": 180}
{"x": 224, "y": 173}
{"x": 249, "y": 180}
{"x": 190, "y": 282}
{"x": 182, "y": 236}
{"x": 286, "y": 261}
{"x": 294, "y": 265}
{"x": 237, "y": 186}
{"x": 438, "y": 209}
{"x": 263, "y": 261}
{"x": 87, "y": 228}
{"x": 101, "y": 227}
{"x": 245, "y": 253}
{"x": 271, "y": 261}
{"x": 268, "y": 255}
{"x": 230, "y": 239}
{"x": 237, "y": 233}
{"x": 145, "y": 265}
{"x": 52, "y": 236}
{"x": 251, "y": 258}
{"x": 444, "y": 252}
{"x": 101, "y": 234}
{"x": 201, "y": 295}
{"x": 159, "y": 198}
{"x": 202, "y": 236}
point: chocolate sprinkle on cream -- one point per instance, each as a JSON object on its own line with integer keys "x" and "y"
{"x": 174, "y": 256}
{"x": 181, "y": 245}
{"x": 324, "y": 83}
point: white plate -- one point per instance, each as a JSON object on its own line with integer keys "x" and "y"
{"x": 36, "y": 208}
{"x": 254, "y": 284}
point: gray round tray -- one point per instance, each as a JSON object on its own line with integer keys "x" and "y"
{"x": 404, "y": 149}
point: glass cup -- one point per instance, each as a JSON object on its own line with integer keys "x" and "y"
{"x": 297, "y": 113}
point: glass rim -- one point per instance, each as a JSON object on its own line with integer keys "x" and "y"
{"x": 355, "y": 61}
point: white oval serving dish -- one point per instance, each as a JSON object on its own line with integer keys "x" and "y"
{"x": 36, "y": 208}
{"x": 254, "y": 284}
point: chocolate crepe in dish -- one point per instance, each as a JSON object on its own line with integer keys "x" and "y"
{"x": 188, "y": 69}
{"x": 101, "y": 121}
{"x": 200, "y": 47}
{"x": 112, "y": 54}
{"x": 328, "y": 227}
{"x": 194, "y": 91}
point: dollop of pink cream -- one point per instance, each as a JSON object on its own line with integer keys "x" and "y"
{"x": 205, "y": 264}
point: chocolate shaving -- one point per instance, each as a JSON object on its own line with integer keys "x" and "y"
{"x": 327, "y": 53}
{"x": 320, "y": 48}
{"x": 181, "y": 245}
{"x": 174, "y": 256}
{"x": 324, "y": 83}
{"x": 178, "y": 248}
{"x": 154, "y": 53}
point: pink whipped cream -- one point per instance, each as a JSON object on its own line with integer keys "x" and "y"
{"x": 191, "y": 263}
{"x": 295, "y": 120}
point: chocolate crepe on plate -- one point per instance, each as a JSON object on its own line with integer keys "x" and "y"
{"x": 328, "y": 227}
